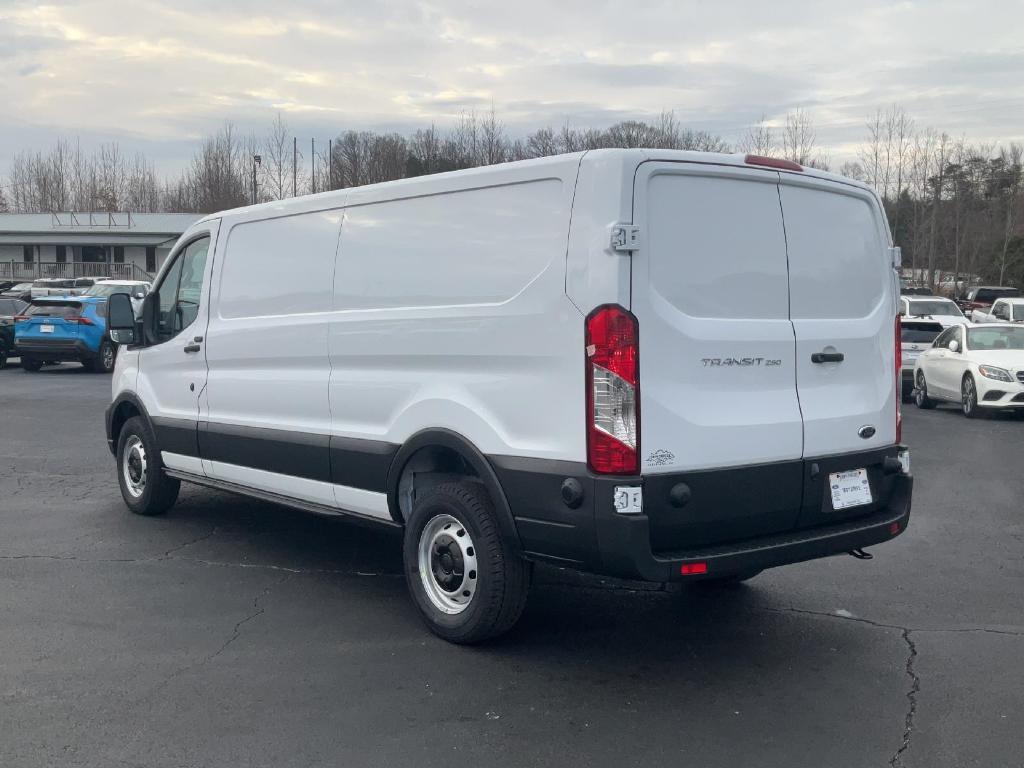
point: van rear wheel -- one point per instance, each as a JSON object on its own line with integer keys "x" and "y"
{"x": 466, "y": 580}
{"x": 140, "y": 473}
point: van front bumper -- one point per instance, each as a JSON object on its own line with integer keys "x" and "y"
{"x": 778, "y": 530}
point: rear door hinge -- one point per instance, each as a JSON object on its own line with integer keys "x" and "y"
{"x": 625, "y": 237}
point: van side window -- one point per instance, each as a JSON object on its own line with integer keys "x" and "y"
{"x": 181, "y": 289}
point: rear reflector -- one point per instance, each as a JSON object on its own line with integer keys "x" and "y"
{"x": 693, "y": 569}
{"x": 894, "y": 529}
{"x": 773, "y": 162}
{"x": 612, "y": 396}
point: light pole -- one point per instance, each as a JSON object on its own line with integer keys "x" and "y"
{"x": 256, "y": 161}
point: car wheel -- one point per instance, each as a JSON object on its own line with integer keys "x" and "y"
{"x": 3, "y": 358}
{"x": 140, "y": 473}
{"x": 30, "y": 364}
{"x": 921, "y": 399}
{"x": 969, "y": 398}
{"x": 104, "y": 360}
{"x": 466, "y": 580}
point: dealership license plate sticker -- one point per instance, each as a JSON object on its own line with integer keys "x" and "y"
{"x": 46, "y": 328}
{"x": 849, "y": 489}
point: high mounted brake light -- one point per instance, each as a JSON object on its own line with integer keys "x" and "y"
{"x": 773, "y": 162}
{"x": 613, "y": 391}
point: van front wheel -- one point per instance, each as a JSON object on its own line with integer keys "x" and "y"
{"x": 467, "y": 582}
{"x": 140, "y": 473}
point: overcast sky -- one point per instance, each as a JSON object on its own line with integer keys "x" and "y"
{"x": 156, "y": 75}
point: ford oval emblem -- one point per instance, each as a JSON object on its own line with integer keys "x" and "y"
{"x": 867, "y": 431}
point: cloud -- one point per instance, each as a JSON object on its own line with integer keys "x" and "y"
{"x": 159, "y": 72}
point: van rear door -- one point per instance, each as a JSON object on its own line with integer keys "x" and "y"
{"x": 710, "y": 290}
{"x": 843, "y": 308}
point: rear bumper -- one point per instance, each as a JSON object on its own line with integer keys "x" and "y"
{"x": 54, "y": 349}
{"x": 738, "y": 520}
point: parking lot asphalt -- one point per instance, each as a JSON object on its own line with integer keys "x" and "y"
{"x": 234, "y": 632}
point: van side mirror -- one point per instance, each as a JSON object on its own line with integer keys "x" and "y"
{"x": 121, "y": 318}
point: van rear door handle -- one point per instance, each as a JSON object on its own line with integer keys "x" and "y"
{"x": 827, "y": 357}
{"x": 192, "y": 348}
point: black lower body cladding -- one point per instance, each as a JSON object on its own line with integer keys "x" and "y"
{"x": 731, "y": 520}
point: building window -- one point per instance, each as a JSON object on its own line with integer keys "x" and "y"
{"x": 151, "y": 258}
{"x": 62, "y": 254}
{"x": 26, "y": 252}
{"x": 119, "y": 254}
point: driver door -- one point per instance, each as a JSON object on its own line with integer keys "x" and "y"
{"x": 172, "y": 369}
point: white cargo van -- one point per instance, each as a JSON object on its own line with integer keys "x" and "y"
{"x": 650, "y": 364}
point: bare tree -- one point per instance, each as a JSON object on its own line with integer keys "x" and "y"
{"x": 798, "y": 137}
{"x": 759, "y": 139}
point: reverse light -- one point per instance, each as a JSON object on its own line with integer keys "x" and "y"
{"x": 612, "y": 391}
{"x": 693, "y": 569}
{"x": 773, "y": 162}
{"x": 991, "y": 372}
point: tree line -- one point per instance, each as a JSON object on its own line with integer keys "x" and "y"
{"x": 954, "y": 206}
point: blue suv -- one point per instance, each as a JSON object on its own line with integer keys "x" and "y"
{"x": 68, "y": 328}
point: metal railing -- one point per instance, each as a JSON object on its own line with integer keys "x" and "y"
{"x": 33, "y": 270}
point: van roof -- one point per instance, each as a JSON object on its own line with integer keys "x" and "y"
{"x": 483, "y": 175}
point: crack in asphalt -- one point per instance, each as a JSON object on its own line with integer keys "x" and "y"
{"x": 915, "y": 688}
{"x": 909, "y": 669}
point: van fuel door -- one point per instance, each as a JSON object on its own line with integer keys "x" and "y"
{"x": 625, "y": 237}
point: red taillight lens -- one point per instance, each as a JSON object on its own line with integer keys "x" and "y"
{"x": 693, "y": 569}
{"x": 20, "y": 318}
{"x": 899, "y": 380}
{"x": 81, "y": 320}
{"x": 613, "y": 391}
{"x": 773, "y": 162}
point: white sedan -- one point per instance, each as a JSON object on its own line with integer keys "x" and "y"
{"x": 980, "y": 367}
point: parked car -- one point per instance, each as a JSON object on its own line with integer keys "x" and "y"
{"x": 536, "y": 361}
{"x": 6, "y": 285}
{"x": 915, "y": 336}
{"x": 137, "y": 289}
{"x": 982, "y": 296}
{"x": 917, "y": 290}
{"x": 21, "y": 291}
{"x": 1002, "y": 311}
{"x": 936, "y": 308}
{"x": 981, "y": 367}
{"x": 9, "y": 309}
{"x": 52, "y": 286}
{"x": 70, "y": 328}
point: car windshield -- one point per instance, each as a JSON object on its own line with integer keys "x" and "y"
{"x": 11, "y": 307}
{"x": 919, "y": 333}
{"x": 109, "y": 289}
{"x": 944, "y": 308}
{"x": 55, "y": 309}
{"x": 993, "y": 338}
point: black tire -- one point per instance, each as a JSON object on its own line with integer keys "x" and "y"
{"x": 502, "y": 577}
{"x": 921, "y": 398}
{"x": 104, "y": 360}
{"x": 3, "y": 358}
{"x": 969, "y": 398}
{"x": 30, "y": 364}
{"x": 158, "y": 491}
{"x": 716, "y": 582}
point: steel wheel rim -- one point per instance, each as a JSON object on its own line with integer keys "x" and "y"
{"x": 968, "y": 396}
{"x": 134, "y": 466}
{"x": 446, "y": 558}
{"x": 108, "y": 356}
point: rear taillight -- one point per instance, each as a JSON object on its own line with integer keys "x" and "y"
{"x": 80, "y": 320}
{"x": 20, "y": 318}
{"x": 899, "y": 380}
{"x": 613, "y": 391}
